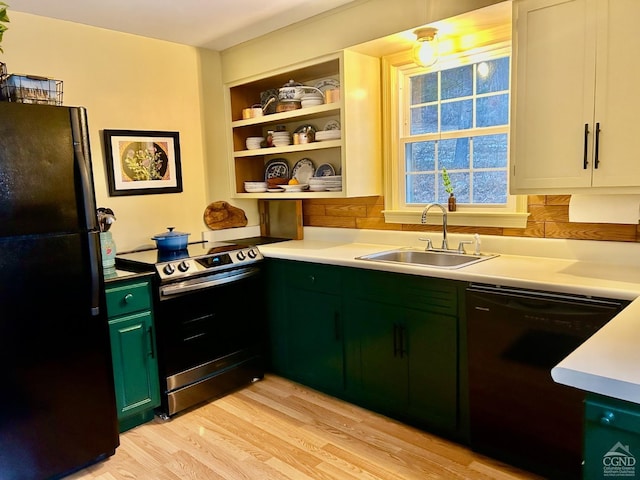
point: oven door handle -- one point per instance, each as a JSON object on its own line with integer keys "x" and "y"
{"x": 216, "y": 280}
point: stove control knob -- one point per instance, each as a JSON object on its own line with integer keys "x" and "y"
{"x": 252, "y": 253}
{"x": 183, "y": 266}
{"x": 169, "y": 269}
{"x": 241, "y": 256}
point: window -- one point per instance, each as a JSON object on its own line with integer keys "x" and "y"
{"x": 458, "y": 120}
{"x": 453, "y": 116}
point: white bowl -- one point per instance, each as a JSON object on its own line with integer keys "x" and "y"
{"x": 255, "y": 189}
{"x": 253, "y": 143}
{"x": 328, "y": 135}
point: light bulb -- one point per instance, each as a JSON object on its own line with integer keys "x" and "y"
{"x": 425, "y": 51}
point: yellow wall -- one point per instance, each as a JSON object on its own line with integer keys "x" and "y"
{"x": 125, "y": 82}
{"x": 135, "y": 83}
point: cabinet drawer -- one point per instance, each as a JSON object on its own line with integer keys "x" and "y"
{"x": 612, "y": 413}
{"x": 313, "y": 276}
{"x": 128, "y": 298}
{"x": 421, "y": 293}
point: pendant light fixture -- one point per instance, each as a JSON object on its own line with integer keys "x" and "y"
{"x": 425, "y": 51}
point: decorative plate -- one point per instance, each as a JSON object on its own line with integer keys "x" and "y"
{"x": 324, "y": 170}
{"x": 327, "y": 84}
{"x": 332, "y": 125}
{"x": 303, "y": 170}
{"x": 276, "y": 168}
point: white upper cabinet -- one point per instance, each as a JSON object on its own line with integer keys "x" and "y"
{"x": 576, "y": 97}
{"x": 355, "y": 155}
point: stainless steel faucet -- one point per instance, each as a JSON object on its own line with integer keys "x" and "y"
{"x": 445, "y": 244}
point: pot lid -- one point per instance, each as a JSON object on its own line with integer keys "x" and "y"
{"x": 292, "y": 83}
{"x": 169, "y": 234}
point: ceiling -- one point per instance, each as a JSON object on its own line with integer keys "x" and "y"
{"x": 213, "y": 24}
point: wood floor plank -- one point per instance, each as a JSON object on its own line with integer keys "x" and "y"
{"x": 276, "y": 429}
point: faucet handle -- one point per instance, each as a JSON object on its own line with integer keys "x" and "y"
{"x": 462, "y": 244}
{"x": 429, "y": 244}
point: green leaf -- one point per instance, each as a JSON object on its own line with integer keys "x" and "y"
{"x": 446, "y": 181}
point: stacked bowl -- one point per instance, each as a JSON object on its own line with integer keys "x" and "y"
{"x": 311, "y": 99}
{"x": 332, "y": 183}
{"x": 255, "y": 187}
{"x": 253, "y": 143}
{"x": 328, "y": 135}
{"x": 281, "y": 139}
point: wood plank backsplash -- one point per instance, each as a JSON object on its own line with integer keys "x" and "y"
{"x": 549, "y": 219}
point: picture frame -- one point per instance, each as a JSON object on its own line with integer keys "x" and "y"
{"x": 142, "y": 162}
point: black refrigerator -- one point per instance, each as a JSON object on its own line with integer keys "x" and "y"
{"x": 57, "y": 401}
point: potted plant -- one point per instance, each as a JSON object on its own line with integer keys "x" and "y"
{"x": 449, "y": 189}
{"x": 4, "y": 19}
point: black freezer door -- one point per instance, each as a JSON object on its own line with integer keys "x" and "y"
{"x": 57, "y": 401}
{"x": 45, "y": 170}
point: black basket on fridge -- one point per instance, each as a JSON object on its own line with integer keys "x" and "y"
{"x": 29, "y": 88}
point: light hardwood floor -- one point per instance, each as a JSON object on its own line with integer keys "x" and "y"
{"x": 277, "y": 429}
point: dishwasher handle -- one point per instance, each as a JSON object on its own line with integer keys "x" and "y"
{"x": 510, "y": 297}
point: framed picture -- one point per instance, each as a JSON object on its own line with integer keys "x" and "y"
{"x": 142, "y": 162}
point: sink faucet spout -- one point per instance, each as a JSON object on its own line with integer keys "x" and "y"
{"x": 445, "y": 244}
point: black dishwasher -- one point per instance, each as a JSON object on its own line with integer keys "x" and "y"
{"x": 518, "y": 414}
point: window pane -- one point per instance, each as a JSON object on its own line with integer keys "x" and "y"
{"x": 490, "y": 151}
{"x": 490, "y": 187}
{"x": 424, "y": 88}
{"x": 420, "y": 188}
{"x": 424, "y": 120}
{"x": 453, "y": 154}
{"x": 457, "y": 115}
{"x": 420, "y": 156}
{"x": 457, "y": 82}
{"x": 493, "y": 76}
{"x": 460, "y": 184}
{"x": 492, "y": 111}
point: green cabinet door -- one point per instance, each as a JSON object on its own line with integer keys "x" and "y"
{"x": 135, "y": 367}
{"x": 433, "y": 361}
{"x": 401, "y": 344}
{"x": 378, "y": 374}
{"x": 305, "y": 323}
{"x": 315, "y": 349}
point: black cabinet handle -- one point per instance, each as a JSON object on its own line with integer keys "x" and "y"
{"x": 336, "y": 325}
{"x": 152, "y": 352}
{"x": 596, "y": 161}
{"x": 401, "y": 348}
{"x": 585, "y": 162}
{"x": 395, "y": 340}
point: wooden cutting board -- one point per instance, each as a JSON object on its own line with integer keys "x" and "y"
{"x": 219, "y": 215}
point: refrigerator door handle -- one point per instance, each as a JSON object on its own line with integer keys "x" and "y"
{"x": 95, "y": 265}
{"x": 81, "y": 151}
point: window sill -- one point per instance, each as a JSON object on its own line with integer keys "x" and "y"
{"x": 460, "y": 218}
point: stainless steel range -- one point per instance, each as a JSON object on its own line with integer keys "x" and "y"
{"x": 210, "y": 321}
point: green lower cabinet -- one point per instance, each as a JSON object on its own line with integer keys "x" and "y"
{"x": 388, "y": 342}
{"x": 306, "y": 324}
{"x": 135, "y": 367}
{"x": 612, "y": 439}
{"x": 316, "y": 352}
{"x": 403, "y": 362}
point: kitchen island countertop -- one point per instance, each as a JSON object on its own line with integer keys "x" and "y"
{"x": 605, "y": 364}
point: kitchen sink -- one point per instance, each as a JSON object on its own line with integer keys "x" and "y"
{"x": 427, "y": 258}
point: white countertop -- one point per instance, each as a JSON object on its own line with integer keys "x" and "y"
{"x": 608, "y": 363}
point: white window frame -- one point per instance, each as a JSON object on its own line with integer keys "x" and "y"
{"x": 513, "y": 214}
